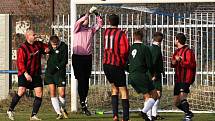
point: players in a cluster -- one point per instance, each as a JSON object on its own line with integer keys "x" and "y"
{"x": 144, "y": 64}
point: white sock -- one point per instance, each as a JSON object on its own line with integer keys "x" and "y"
{"x": 63, "y": 102}
{"x": 148, "y": 105}
{"x": 149, "y": 114}
{"x": 155, "y": 108}
{"x": 55, "y": 104}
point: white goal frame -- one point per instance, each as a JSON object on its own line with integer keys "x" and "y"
{"x": 73, "y": 13}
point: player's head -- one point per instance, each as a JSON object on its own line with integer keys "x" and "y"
{"x": 158, "y": 37}
{"x": 54, "y": 41}
{"x": 30, "y": 35}
{"x": 86, "y": 22}
{"x": 180, "y": 39}
{"x": 113, "y": 20}
{"x": 138, "y": 34}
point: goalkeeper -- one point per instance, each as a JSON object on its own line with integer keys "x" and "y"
{"x": 183, "y": 60}
{"x": 55, "y": 75}
{"x": 82, "y": 54}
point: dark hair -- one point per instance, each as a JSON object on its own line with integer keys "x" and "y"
{"x": 139, "y": 33}
{"x": 158, "y": 37}
{"x": 181, "y": 38}
{"x": 82, "y": 15}
{"x": 114, "y": 20}
{"x": 54, "y": 39}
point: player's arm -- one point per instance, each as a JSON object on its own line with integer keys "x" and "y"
{"x": 148, "y": 59}
{"x": 173, "y": 60}
{"x": 188, "y": 62}
{"x": 124, "y": 47}
{"x": 21, "y": 61}
{"x": 99, "y": 24}
{"x": 21, "y": 57}
{"x": 45, "y": 48}
{"x": 155, "y": 59}
{"x": 79, "y": 22}
{"x": 64, "y": 61}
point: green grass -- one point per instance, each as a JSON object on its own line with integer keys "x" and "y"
{"x": 50, "y": 116}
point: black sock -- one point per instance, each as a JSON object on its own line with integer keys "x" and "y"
{"x": 115, "y": 103}
{"x": 179, "y": 106}
{"x": 36, "y": 105}
{"x": 184, "y": 106}
{"x": 83, "y": 105}
{"x": 14, "y": 102}
{"x": 125, "y": 106}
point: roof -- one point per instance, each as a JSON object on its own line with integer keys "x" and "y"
{"x": 33, "y": 7}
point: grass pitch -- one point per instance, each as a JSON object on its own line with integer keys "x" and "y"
{"x": 50, "y": 116}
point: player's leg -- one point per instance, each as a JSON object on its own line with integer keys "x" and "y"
{"x": 114, "y": 101}
{"x": 147, "y": 105}
{"x": 184, "y": 106}
{"x": 37, "y": 102}
{"x": 181, "y": 91}
{"x": 155, "y": 107}
{"x": 22, "y": 84}
{"x": 15, "y": 100}
{"x": 38, "y": 88}
{"x": 62, "y": 95}
{"x": 87, "y": 67}
{"x": 158, "y": 86}
{"x": 125, "y": 102}
{"x": 154, "y": 95}
{"x": 119, "y": 78}
{"x": 55, "y": 101}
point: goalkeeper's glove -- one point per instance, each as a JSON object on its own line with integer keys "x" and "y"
{"x": 92, "y": 9}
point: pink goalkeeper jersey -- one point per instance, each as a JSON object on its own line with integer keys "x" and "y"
{"x": 83, "y": 36}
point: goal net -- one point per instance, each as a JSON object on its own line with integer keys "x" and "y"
{"x": 199, "y": 30}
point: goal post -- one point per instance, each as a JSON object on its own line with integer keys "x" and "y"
{"x": 195, "y": 33}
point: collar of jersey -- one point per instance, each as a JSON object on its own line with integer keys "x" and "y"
{"x": 138, "y": 41}
{"x": 156, "y": 43}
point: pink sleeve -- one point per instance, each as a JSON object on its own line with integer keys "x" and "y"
{"x": 98, "y": 25}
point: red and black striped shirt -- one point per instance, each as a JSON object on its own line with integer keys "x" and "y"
{"x": 116, "y": 47}
{"x": 29, "y": 58}
{"x": 185, "y": 69}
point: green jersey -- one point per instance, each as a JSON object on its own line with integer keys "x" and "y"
{"x": 157, "y": 60}
{"x": 56, "y": 64}
{"x": 140, "y": 62}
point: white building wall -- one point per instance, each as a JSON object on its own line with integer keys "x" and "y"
{"x": 4, "y": 55}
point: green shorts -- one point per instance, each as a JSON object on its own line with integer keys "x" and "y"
{"x": 157, "y": 84}
{"x": 59, "y": 82}
{"x": 141, "y": 84}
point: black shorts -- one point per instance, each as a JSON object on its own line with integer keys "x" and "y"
{"x": 181, "y": 87}
{"x": 115, "y": 75}
{"x": 36, "y": 82}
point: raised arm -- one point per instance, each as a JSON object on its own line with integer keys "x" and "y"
{"x": 99, "y": 24}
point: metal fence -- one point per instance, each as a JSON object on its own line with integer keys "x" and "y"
{"x": 198, "y": 28}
